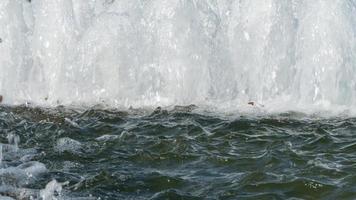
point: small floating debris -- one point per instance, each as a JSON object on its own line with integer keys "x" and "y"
{"x": 251, "y": 103}
{"x": 159, "y": 110}
{"x": 27, "y": 104}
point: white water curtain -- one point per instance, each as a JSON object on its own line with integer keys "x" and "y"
{"x": 167, "y": 52}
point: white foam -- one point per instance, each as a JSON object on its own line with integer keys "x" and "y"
{"x": 68, "y": 144}
{"x": 52, "y": 191}
{"x": 106, "y": 138}
{"x": 286, "y": 55}
{"x": 17, "y": 172}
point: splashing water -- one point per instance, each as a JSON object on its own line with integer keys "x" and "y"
{"x": 285, "y": 55}
{"x": 51, "y": 189}
{"x": 22, "y": 175}
{"x": 246, "y": 55}
{"x": 14, "y": 140}
{"x": 175, "y": 154}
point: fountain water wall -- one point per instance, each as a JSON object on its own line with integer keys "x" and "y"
{"x": 168, "y": 52}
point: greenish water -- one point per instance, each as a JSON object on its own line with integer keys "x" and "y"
{"x": 177, "y": 154}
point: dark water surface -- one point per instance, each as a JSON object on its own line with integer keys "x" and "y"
{"x": 175, "y": 154}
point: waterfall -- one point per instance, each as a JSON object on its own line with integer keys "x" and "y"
{"x": 177, "y": 52}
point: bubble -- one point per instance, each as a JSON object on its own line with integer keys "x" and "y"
{"x": 68, "y": 144}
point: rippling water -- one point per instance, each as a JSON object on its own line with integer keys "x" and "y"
{"x": 176, "y": 154}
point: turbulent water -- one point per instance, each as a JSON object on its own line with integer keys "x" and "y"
{"x": 89, "y": 92}
{"x": 176, "y": 154}
{"x": 221, "y": 53}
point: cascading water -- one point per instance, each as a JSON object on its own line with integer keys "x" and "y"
{"x": 177, "y": 99}
{"x": 168, "y": 52}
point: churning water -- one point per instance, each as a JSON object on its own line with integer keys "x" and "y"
{"x": 291, "y": 54}
{"x": 174, "y": 154}
{"x": 80, "y": 81}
